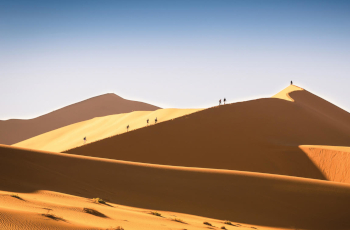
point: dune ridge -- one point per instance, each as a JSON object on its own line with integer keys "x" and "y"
{"x": 16, "y": 130}
{"x": 261, "y": 135}
{"x": 71, "y": 136}
{"x": 245, "y": 197}
{"x": 285, "y": 94}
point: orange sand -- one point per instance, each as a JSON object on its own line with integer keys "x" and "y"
{"x": 333, "y": 161}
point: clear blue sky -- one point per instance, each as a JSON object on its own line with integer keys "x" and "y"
{"x": 183, "y": 54}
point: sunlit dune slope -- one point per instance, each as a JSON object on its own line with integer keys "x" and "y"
{"x": 260, "y": 136}
{"x": 98, "y": 128}
{"x": 333, "y": 161}
{"x": 246, "y": 197}
{"x": 16, "y": 130}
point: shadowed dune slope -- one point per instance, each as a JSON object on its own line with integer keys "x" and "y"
{"x": 333, "y": 161}
{"x": 261, "y": 136}
{"x": 246, "y": 197}
{"x": 16, "y": 130}
{"x": 71, "y": 136}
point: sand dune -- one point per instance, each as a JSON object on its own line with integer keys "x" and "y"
{"x": 245, "y": 197}
{"x": 333, "y": 161}
{"x": 16, "y": 130}
{"x": 98, "y": 128}
{"x": 259, "y": 136}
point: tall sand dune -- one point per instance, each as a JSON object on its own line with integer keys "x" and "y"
{"x": 259, "y": 136}
{"x": 71, "y": 136}
{"x": 245, "y": 197}
{"x": 333, "y": 161}
{"x": 16, "y": 130}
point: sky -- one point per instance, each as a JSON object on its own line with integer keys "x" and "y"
{"x": 173, "y": 54}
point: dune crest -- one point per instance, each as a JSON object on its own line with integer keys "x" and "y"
{"x": 284, "y": 94}
{"x": 16, "y": 130}
{"x": 98, "y": 128}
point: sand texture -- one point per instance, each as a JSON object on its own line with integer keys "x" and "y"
{"x": 71, "y": 136}
{"x": 333, "y": 161}
{"x": 242, "y": 197}
{"x": 16, "y": 130}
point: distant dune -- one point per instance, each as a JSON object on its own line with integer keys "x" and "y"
{"x": 245, "y": 197}
{"x": 71, "y": 136}
{"x": 259, "y": 136}
{"x": 16, "y": 130}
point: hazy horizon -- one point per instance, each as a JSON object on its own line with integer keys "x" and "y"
{"x": 179, "y": 54}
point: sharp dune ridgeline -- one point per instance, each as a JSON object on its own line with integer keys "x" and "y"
{"x": 261, "y": 135}
{"x": 16, "y": 130}
{"x": 246, "y": 197}
{"x": 272, "y": 163}
{"x": 98, "y": 128}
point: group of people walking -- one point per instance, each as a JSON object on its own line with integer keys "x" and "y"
{"x": 155, "y": 122}
{"x": 224, "y": 101}
{"x": 127, "y": 127}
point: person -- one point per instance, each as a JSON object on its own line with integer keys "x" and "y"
{"x": 147, "y": 121}
{"x": 224, "y": 101}
{"x": 127, "y": 128}
{"x": 155, "y": 121}
{"x": 84, "y": 140}
{"x": 291, "y": 82}
{"x": 220, "y": 102}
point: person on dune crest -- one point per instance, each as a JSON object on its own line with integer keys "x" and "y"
{"x": 155, "y": 121}
{"x": 147, "y": 121}
{"x": 220, "y": 102}
{"x": 84, "y": 140}
{"x": 127, "y": 128}
{"x": 224, "y": 101}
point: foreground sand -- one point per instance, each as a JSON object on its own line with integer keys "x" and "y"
{"x": 16, "y": 130}
{"x": 243, "y": 197}
{"x": 26, "y": 212}
{"x": 98, "y": 128}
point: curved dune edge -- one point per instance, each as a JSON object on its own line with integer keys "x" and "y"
{"x": 333, "y": 161}
{"x": 98, "y": 128}
{"x": 284, "y": 94}
{"x": 244, "y": 197}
